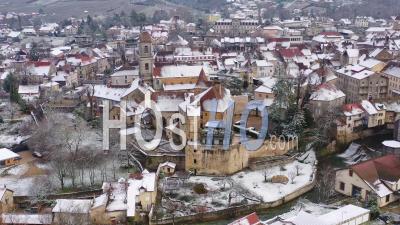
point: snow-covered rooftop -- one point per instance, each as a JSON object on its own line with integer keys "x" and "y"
{"x": 343, "y": 214}
{"x": 327, "y": 92}
{"x": 7, "y": 154}
{"x": 369, "y": 107}
{"x": 28, "y": 89}
{"x": 26, "y": 219}
{"x": 72, "y": 206}
{"x": 148, "y": 182}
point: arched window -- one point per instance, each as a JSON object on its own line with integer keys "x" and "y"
{"x": 146, "y": 49}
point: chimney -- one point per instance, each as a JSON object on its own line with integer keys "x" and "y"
{"x": 218, "y": 86}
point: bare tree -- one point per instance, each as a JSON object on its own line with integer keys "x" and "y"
{"x": 298, "y": 168}
{"x": 43, "y": 187}
{"x": 45, "y": 139}
{"x": 267, "y": 172}
{"x": 292, "y": 176}
{"x": 325, "y": 184}
{"x": 72, "y": 138}
{"x": 60, "y": 167}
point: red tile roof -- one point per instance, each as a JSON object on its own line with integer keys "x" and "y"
{"x": 350, "y": 107}
{"x": 41, "y": 63}
{"x": 385, "y": 168}
{"x": 290, "y": 52}
{"x": 251, "y": 219}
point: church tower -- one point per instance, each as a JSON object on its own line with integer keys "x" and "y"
{"x": 146, "y": 59}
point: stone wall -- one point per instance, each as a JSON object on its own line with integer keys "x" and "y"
{"x": 233, "y": 212}
{"x": 216, "y": 161}
{"x": 224, "y": 162}
{"x": 152, "y": 162}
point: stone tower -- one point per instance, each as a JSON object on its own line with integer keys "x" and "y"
{"x": 146, "y": 59}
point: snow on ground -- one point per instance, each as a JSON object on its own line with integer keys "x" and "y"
{"x": 20, "y": 186}
{"x": 243, "y": 188}
{"x": 8, "y": 141}
{"x": 18, "y": 170}
{"x": 254, "y": 181}
{"x": 43, "y": 166}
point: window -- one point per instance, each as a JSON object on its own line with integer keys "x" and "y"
{"x": 342, "y": 185}
{"x": 387, "y": 198}
{"x": 146, "y": 66}
{"x": 351, "y": 172}
{"x": 146, "y": 49}
{"x": 194, "y": 161}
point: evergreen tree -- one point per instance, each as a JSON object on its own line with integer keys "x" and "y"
{"x": 235, "y": 85}
{"x": 373, "y": 207}
{"x": 284, "y": 99}
{"x": 34, "y": 52}
{"x": 10, "y": 85}
{"x": 295, "y": 126}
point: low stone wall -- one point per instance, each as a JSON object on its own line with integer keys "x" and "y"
{"x": 262, "y": 163}
{"x": 71, "y": 195}
{"x": 234, "y": 212}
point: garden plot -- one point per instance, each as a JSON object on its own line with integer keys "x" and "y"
{"x": 203, "y": 194}
{"x": 200, "y": 194}
{"x": 298, "y": 176}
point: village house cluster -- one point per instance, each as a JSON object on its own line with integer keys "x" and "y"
{"x": 344, "y": 74}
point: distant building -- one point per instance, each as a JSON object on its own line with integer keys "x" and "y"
{"x": 29, "y": 92}
{"x": 360, "y": 83}
{"x": 235, "y": 27}
{"x": 124, "y": 78}
{"x": 361, "y": 22}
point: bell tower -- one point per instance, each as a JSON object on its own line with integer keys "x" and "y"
{"x": 146, "y": 59}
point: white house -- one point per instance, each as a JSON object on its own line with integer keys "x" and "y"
{"x": 263, "y": 68}
{"x": 29, "y": 92}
